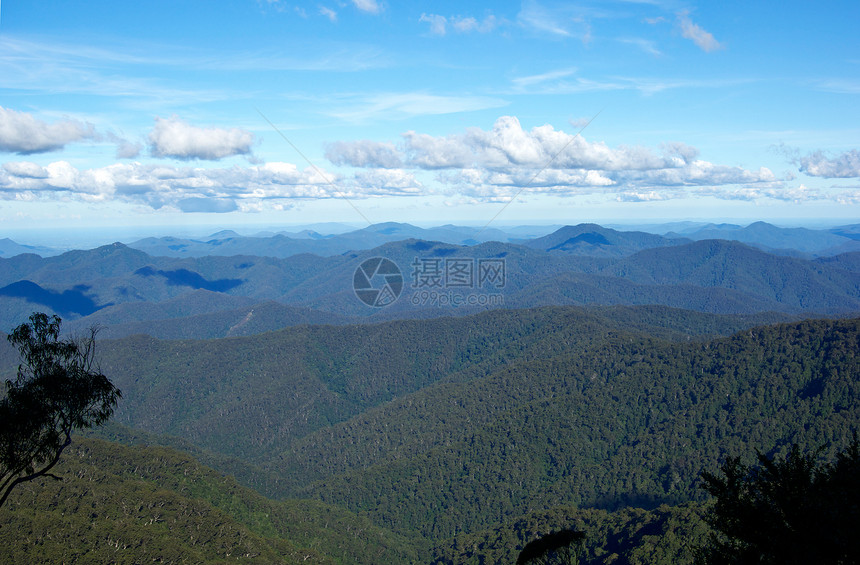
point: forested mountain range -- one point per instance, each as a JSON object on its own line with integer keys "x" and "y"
{"x": 438, "y": 429}
{"x": 128, "y": 291}
{"x": 266, "y": 406}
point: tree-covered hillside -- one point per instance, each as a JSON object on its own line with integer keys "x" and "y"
{"x": 630, "y": 421}
{"x": 447, "y": 433}
{"x": 125, "y": 505}
{"x": 254, "y": 396}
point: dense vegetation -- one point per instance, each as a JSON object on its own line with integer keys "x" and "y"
{"x": 665, "y": 535}
{"x": 623, "y": 422}
{"x": 471, "y": 435}
{"x": 121, "y": 505}
{"x": 793, "y": 510}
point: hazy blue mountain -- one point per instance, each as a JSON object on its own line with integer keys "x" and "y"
{"x": 674, "y": 228}
{"x": 851, "y": 231}
{"x": 597, "y": 241}
{"x": 775, "y": 239}
{"x": 286, "y": 244}
{"x": 796, "y": 284}
{"x": 846, "y": 261}
{"x": 578, "y": 289}
{"x": 583, "y": 264}
{"x": 9, "y": 248}
{"x": 278, "y": 245}
{"x": 73, "y": 267}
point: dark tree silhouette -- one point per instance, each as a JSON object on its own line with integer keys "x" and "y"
{"x": 785, "y": 511}
{"x": 58, "y": 389}
{"x": 558, "y": 547}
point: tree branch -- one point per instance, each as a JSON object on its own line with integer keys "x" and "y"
{"x": 40, "y": 473}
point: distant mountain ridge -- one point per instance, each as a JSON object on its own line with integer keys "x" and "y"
{"x": 575, "y": 265}
{"x": 332, "y": 239}
{"x": 286, "y": 244}
{"x": 597, "y": 241}
{"x": 803, "y": 241}
{"x": 9, "y": 248}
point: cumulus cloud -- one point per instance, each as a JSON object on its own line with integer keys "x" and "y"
{"x": 363, "y": 154}
{"x": 173, "y": 137}
{"x": 389, "y": 181}
{"x": 508, "y": 145}
{"x": 817, "y": 164}
{"x": 26, "y": 169}
{"x": 499, "y": 162}
{"x": 705, "y": 40}
{"x": 127, "y": 150}
{"x": 21, "y": 133}
{"x": 196, "y": 189}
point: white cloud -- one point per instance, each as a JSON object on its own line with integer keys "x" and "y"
{"x": 196, "y": 189}
{"x": 645, "y": 45}
{"x": 508, "y": 145}
{"x": 642, "y": 196}
{"x": 21, "y": 133}
{"x": 26, "y": 169}
{"x": 537, "y": 17}
{"x": 364, "y": 154}
{"x": 543, "y": 77}
{"x": 817, "y": 164}
{"x": 461, "y": 24}
{"x": 127, "y": 150}
{"x": 173, "y": 137}
{"x": 699, "y": 36}
{"x": 388, "y": 181}
{"x": 329, "y": 13}
{"x": 502, "y": 161}
{"x": 369, "y": 6}
{"x": 849, "y": 198}
{"x": 468, "y": 23}
{"x": 795, "y": 195}
{"x": 437, "y": 23}
{"x": 428, "y": 152}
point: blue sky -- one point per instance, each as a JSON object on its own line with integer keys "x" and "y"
{"x": 264, "y": 113}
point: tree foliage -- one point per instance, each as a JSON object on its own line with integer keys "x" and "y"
{"x": 557, "y": 547}
{"x": 146, "y": 504}
{"x": 785, "y": 511}
{"x": 58, "y": 389}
